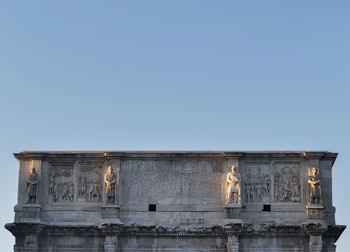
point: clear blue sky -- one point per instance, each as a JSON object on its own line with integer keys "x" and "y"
{"x": 172, "y": 75}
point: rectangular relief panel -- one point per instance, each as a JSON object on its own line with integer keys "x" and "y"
{"x": 61, "y": 185}
{"x": 287, "y": 182}
{"x": 172, "y": 182}
{"x": 257, "y": 183}
{"x": 90, "y": 182}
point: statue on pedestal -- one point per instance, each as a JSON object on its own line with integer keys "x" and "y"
{"x": 110, "y": 182}
{"x": 32, "y": 183}
{"x": 233, "y": 187}
{"x": 314, "y": 187}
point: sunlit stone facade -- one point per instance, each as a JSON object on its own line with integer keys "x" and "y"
{"x": 175, "y": 201}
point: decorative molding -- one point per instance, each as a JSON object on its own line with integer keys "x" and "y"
{"x": 50, "y": 155}
{"x": 18, "y": 229}
{"x": 241, "y": 230}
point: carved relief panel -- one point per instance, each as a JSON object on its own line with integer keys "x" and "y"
{"x": 257, "y": 183}
{"x": 173, "y": 182}
{"x": 61, "y": 185}
{"x": 287, "y": 182}
{"x": 90, "y": 186}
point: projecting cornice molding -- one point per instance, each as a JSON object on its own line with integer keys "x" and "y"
{"x": 303, "y": 230}
{"x": 51, "y": 155}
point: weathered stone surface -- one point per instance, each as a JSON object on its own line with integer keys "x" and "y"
{"x": 232, "y": 211}
{"x": 110, "y": 212}
{"x": 315, "y": 212}
{"x": 175, "y": 201}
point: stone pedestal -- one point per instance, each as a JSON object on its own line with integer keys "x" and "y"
{"x": 31, "y": 212}
{"x": 232, "y": 211}
{"x": 110, "y": 211}
{"x": 315, "y": 212}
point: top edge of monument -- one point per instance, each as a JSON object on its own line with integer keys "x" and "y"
{"x": 319, "y": 154}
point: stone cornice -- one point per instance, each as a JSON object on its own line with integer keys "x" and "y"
{"x": 25, "y": 228}
{"x": 335, "y": 231}
{"x": 303, "y": 230}
{"x": 51, "y": 155}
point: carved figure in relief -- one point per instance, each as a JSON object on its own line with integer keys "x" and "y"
{"x": 65, "y": 191}
{"x": 247, "y": 192}
{"x": 233, "y": 187}
{"x": 32, "y": 184}
{"x": 71, "y": 192}
{"x": 68, "y": 192}
{"x": 266, "y": 184}
{"x": 94, "y": 192}
{"x": 82, "y": 186}
{"x": 53, "y": 189}
{"x": 51, "y": 185}
{"x": 314, "y": 186}
{"x": 110, "y": 182}
{"x": 258, "y": 191}
{"x": 294, "y": 189}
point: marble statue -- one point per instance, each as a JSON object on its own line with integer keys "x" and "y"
{"x": 110, "y": 181}
{"x": 314, "y": 186}
{"x": 32, "y": 183}
{"x": 233, "y": 187}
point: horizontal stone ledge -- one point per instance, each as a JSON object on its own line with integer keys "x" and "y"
{"x": 42, "y": 155}
{"x": 242, "y": 230}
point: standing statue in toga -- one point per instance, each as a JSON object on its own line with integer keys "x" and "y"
{"x": 32, "y": 184}
{"x": 233, "y": 187}
{"x": 314, "y": 187}
{"x": 110, "y": 182}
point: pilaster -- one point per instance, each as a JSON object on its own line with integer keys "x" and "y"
{"x": 111, "y": 243}
{"x": 315, "y": 232}
{"x": 233, "y": 230}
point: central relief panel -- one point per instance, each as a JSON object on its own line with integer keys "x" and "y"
{"x": 173, "y": 182}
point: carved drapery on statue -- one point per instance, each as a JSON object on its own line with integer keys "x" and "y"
{"x": 233, "y": 187}
{"x": 110, "y": 183}
{"x": 32, "y": 186}
{"x": 314, "y": 187}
